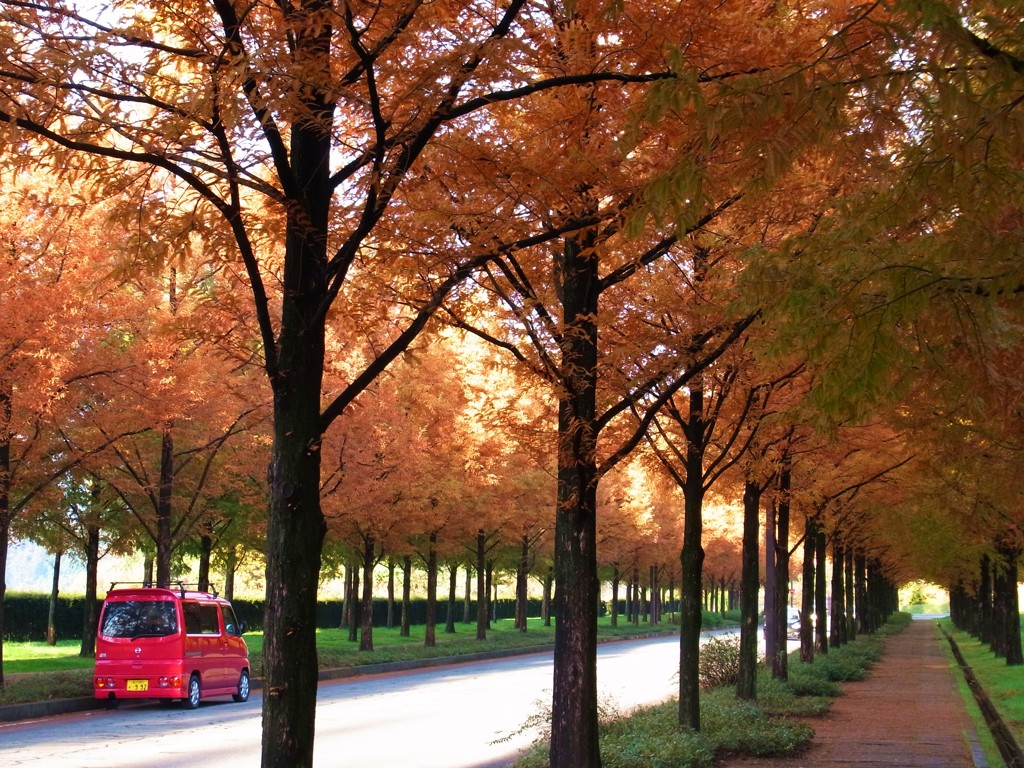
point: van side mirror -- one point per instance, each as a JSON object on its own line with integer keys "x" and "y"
{"x": 242, "y": 627}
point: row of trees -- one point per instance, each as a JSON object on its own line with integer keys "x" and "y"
{"x": 768, "y": 252}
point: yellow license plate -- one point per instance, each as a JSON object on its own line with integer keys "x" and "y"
{"x": 138, "y": 685}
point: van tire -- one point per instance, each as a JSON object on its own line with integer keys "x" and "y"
{"x": 243, "y": 687}
{"x": 191, "y": 701}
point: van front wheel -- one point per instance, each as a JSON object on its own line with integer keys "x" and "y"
{"x": 194, "y": 692}
{"x": 243, "y": 687}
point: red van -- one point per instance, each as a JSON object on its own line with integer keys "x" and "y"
{"x": 157, "y": 643}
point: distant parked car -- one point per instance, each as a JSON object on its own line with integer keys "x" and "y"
{"x": 792, "y": 623}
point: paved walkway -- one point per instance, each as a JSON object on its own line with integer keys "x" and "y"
{"x": 906, "y": 713}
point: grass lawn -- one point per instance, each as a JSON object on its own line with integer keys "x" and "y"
{"x": 1004, "y": 685}
{"x": 68, "y": 674}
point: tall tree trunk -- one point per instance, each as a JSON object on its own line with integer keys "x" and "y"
{"x": 614, "y": 612}
{"x": 574, "y": 721}
{"x": 430, "y": 631}
{"x": 369, "y": 559}
{"x": 406, "y": 595}
{"x": 780, "y": 661}
{"x": 820, "y": 591}
{"x": 453, "y": 588}
{"x": 467, "y": 599}
{"x": 391, "y": 593}
{"x": 346, "y": 603}
{"x": 746, "y": 684}
{"x": 205, "y": 553}
{"x": 807, "y": 593}
{"x": 492, "y": 604}
{"x": 90, "y": 614}
{"x": 549, "y": 579}
{"x": 1014, "y": 650}
{"x": 860, "y": 577}
{"x": 771, "y": 635}
{"x": 837, "y": 630}
{"x": 985, "y": 600}
{"x": 481, "y": 585}
{"x": 851, "y": 597}
{"x": 230, "y": 567}
{"x": 6, "y": 513}
{"x": 164, "y": 547}
{"x": 692, "y": 562}
{"x": 51, "y": 618}
{"x": 355, "y": 615}
{"x": 522, "y": 574}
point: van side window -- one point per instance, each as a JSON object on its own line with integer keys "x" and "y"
{"x": 231, "y": 625}
{"x": 200, "y": 619}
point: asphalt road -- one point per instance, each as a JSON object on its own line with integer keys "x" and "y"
{"x": 443, "y": 717}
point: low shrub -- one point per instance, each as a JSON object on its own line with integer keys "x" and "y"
{"x": 719, "y": 662}
{"x": 742, "y": 727}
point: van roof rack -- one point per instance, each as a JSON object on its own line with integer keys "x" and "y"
{"x": 181, "y": 585}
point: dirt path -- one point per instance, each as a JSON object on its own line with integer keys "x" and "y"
{"x": 906, "y": 713}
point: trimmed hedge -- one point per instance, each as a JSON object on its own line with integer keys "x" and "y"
{"x": 25, "y": 615}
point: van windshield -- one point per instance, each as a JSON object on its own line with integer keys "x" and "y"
{"x": 139, "y": 618}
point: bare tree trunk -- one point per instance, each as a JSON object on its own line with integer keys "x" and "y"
{"x": 369, "y": 559}
{"x": 574, "y": 722}
{"x": 780, "y": 661}
{"x": 522, "y": 574}
{"x": 453, "y": 588}
{"x": 406, "y": 594}
{"x": 820, "y": 591}
{"x": 91, "y": 613}
{"x": 691, "y": 563}
{"x": 430, "y": 631}
{"x": 391, "y": 593}
{"x": 614, "y": 612}
{"x": 481, "y": 585}
{"x": 51, "y": 619}
{"x": 746, "y": 684}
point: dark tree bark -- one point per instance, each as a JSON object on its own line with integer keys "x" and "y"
{"x": 51, "y": 618}
{"x": 771, "y": 635}
{"x": 369, "y": 560}
{"x": 851, "y": 597}
{"x": 860, "y": 576}
{"x": 91, "y": 614}
{"x": 205, "y": 553}
{"x": 746, "y": 684}
{"x": 1014, "y": 651}
{"x": 482, "y": 589}
{"x": 453, "y": 588}
{"x": 430, "y": 631}
{"x": 467, "y": 600}
{"x": 820, "y": 591}
{"x": 807, "y": 594}
{"x": 6, "y": 514}
{"x": 574, "y": 721}
{"x": 164, "y": 507}
{"x": 549, "y": 579}
{"x": 391, "y": 594}
{"x": 691, "y": 560}
{"x": 985, "y": 600}
{"x": 522, "y": 575}
{"x": 614, "y": 612}
{"x": 406, "y": 595}
{"x": 837, "y": 630}
{"x": 780, "y": 660}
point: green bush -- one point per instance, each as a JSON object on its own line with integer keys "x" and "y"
{"x": 742, "y": 727}
{"x": 719, "y": 662}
